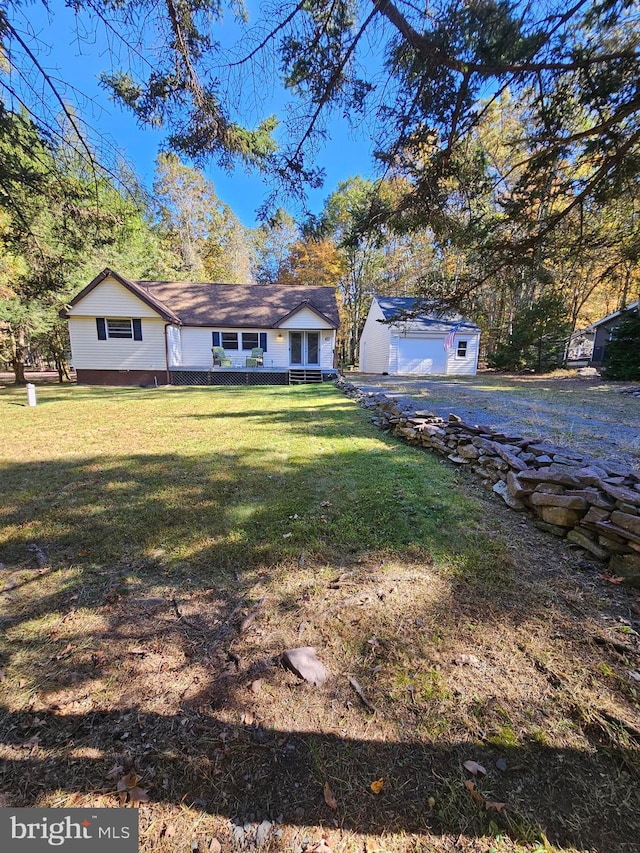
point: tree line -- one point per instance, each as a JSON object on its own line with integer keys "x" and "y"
{"x": 507, "y": 144}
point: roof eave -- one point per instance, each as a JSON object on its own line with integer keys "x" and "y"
{"x": 132, "y": 286}
{"x": 300, "y": 307}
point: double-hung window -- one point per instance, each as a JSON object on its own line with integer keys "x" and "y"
{"x": 461, "y": 349}
{"x": 249, "y": 340}
{"x": 118, "y": 328}
{"x": 229, "y": 340}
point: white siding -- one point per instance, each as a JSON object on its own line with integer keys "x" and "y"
{"x": 374, "y": 342}
{"x": 327, "y": 347}
{"x": 305, "y": 319}
{"x": 174, "y": 346}
{"x": 88, "y": 353}
{"x": 467, "y": 366}
{"x": 197, "y": 343}
{"x": 111, "y": 299}
{"x": 196, "y": 347}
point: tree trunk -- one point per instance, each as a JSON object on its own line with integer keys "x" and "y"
{"x": 19, "y": 356}
{"x": 18, "y": 369}
{"x": 61, "y": 367}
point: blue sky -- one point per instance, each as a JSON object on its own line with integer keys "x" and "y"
{"x": 344, "y": 154}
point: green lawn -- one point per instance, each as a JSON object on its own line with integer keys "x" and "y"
{"x": 160, "y": 549}
{"x": 216, "y": 481}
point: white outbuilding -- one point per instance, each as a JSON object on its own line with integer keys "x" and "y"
{"x": 400, "y": 339}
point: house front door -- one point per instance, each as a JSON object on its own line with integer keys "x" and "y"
{"x": 304, "y": 348}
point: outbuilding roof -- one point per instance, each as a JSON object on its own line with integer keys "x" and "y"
{"x": 631, "y": 307}
{"x": 418, "y": 315}
{"x": 234, "y": 305}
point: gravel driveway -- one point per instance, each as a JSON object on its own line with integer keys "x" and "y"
{"x": 583, "y": 413}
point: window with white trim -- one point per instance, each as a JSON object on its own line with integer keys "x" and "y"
{"x": 119, "y": 329}
{"x": 250, "y": 340}
{"x": 461, "y": 349}
{"x": 229, "y": 340}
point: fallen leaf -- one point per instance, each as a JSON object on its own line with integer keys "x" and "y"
{"x": 115, "y": 771}
{"x": 477, "y": 796}
{"x": 137, "y": 796}
{"x": 128, "y": 781}
{"x": 127, "y": 786}
{"x": 474, "y": 767}
{"x": 471, "y": 787}
{"x": 634, "y": 674}
{"x": 612, "y": 578}
{"x": 329, "y": 799}
{"x": 326, "y": 503}
{"x": 286, "y": 535}
{"x": 378, "y": 785}
{"x": 501, "y": 764}
{"x": 66, "y": 651}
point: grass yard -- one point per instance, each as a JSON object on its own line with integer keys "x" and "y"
{"x": 160, "y": 549}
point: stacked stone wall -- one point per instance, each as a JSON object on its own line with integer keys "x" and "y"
{"x": 593, "y": 503}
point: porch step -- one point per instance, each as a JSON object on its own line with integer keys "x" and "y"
{"x": 304, "y": 375}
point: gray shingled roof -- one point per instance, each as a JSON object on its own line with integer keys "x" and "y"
{"x": 394, "y": 306}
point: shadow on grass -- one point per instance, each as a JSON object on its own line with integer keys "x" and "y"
{"x": 251, "y": 773}
{"x": 133, "y": 539}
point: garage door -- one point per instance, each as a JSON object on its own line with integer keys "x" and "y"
{"x": 420, "y": 357}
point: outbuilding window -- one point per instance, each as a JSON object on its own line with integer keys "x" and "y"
{"x": 461, "y": 350}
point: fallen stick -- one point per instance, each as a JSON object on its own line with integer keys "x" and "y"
{"x": 361, "y": 695}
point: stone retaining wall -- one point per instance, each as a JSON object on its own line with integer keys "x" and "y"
{"x": 594, "y": 503}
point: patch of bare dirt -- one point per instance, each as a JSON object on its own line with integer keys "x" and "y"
{"x": 525, "y": 662}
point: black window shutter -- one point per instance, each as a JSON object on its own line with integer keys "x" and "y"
{"x": 137, "y": 330}
{"x": 102, "y": 328}
{"x": 263, "y": 341}
{"x": 216, "y": 339}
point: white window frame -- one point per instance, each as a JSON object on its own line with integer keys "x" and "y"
{"x": 111, "y": 325}
{"x": 255, "y": 335}
{"x": 229, "y": 345}
{"x": 464, "y": 345}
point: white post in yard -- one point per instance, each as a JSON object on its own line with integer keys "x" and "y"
{"x": 31, "y": 394}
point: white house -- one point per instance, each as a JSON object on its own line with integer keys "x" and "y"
{"x": 399, "y": 339}
{"x": 144, "y": 332}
